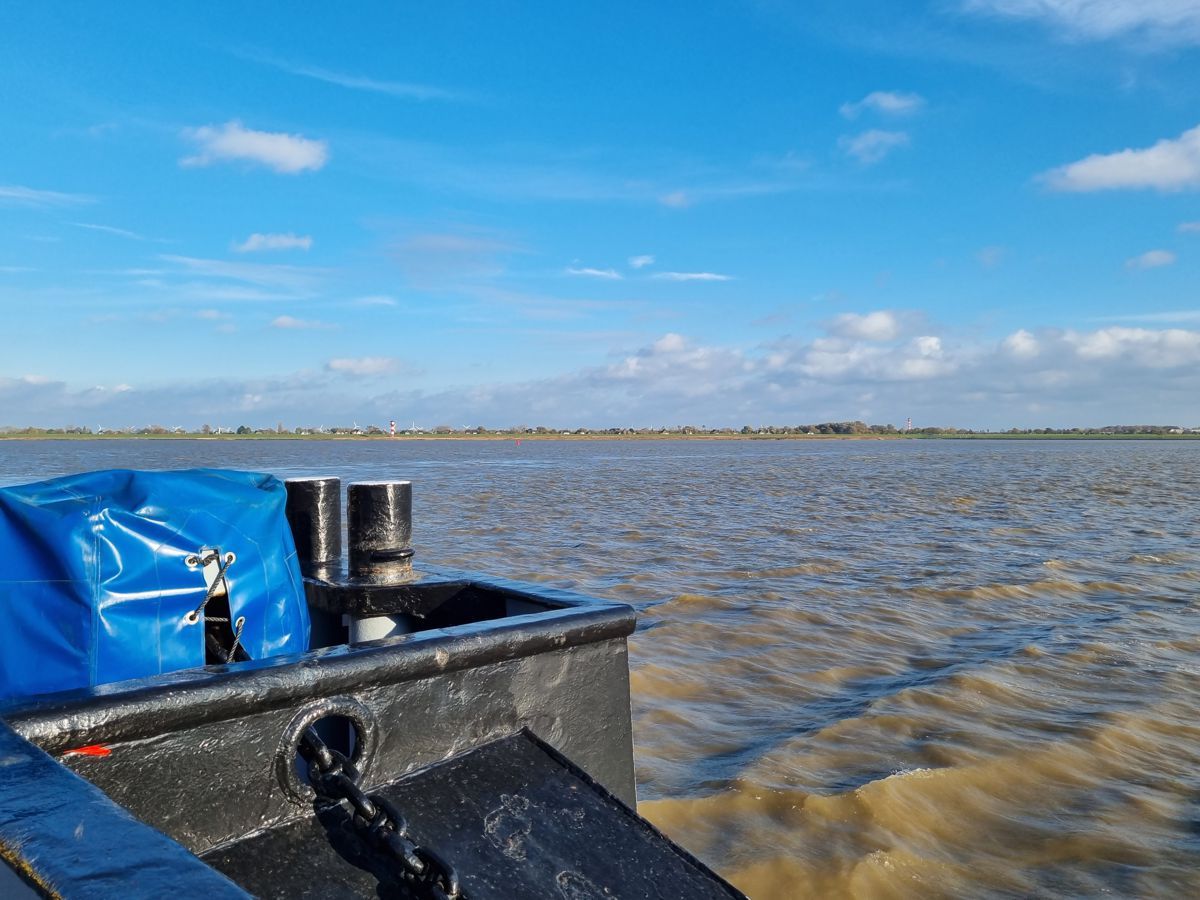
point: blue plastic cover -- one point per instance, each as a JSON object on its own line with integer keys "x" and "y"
{"x": 96, "y": 582}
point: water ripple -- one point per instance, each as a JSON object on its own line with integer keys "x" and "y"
{"x": 904, "y": 669}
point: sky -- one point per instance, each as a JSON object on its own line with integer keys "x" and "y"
{"x": 979, "y": 213}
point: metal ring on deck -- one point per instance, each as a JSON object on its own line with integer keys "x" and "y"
{"x": 366, "y": 730}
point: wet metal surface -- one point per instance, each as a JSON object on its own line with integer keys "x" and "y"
{"x": 514, "y": 818}
{"x": 171, "y": 743}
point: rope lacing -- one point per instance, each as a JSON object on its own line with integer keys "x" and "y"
{"x": 217, "y": 583}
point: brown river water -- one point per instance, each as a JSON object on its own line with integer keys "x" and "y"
{"x": 864, "y": 668}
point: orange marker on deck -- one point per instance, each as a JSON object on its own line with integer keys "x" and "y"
{"x": 90, "y": 750}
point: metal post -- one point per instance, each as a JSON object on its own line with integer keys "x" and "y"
{"x": 314, "y": 511}
{"x": 379, "y": 519}
{"x": 379, "y": 516}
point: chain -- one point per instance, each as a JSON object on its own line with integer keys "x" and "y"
{"x": 335, "y": 779}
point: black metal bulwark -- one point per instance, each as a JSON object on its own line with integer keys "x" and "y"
{"x": 558, "y": 666}
{"x": 209, "y": 756}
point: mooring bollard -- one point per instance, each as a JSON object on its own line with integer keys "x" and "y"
{"x": 379, "y": 525}
{"x": 379, "y": 517}
{"x": 314, "y": 512}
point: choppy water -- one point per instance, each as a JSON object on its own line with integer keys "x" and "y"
{"x": 864, "y": 669}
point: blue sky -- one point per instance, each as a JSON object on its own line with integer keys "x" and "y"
{"x": 972, "y": 212}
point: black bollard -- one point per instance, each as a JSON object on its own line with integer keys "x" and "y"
{"x": 314, "y": 512}
{"x": 379, "y": 518}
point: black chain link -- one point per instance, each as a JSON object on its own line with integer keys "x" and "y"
{"x": 335, "y": 779}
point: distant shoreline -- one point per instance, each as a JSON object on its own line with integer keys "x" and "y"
{"x": 1085, "y": 436}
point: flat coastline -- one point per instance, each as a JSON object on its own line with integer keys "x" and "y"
{"x": 502, "y": 437}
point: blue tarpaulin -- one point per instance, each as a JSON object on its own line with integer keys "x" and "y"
{"x": 98, "y": 573}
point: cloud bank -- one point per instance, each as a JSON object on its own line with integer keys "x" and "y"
{"x": 877, "y": 365}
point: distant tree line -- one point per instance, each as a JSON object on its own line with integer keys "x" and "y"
{"x": 819, "y": 428}
{"x": 1109, "y": 429}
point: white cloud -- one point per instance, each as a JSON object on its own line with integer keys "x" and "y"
{"x": 109, "y": 229}
{"x": 456, "y": 244}
{"x": 209, "y": 292}
{"x": 670, "y": 343}
{"x": 837, "y": 359}
{"x": 640, "y": 262}
{"x": 672, "y": 365}
{"x": 1021, "y": 344}
{"x": 290, "y": 323}
{"x": 375, "y": 300}
{"x": 1169, "y": 165}
{"x": 872, "y": 146}
{"x": 1144, "y": 347}
{"x": 892, "y": 103}
{"x": 1161, "y": 21}
{"x": 676, "y": 199}
{"x": 128, "y": 273}
{"x": 1173, "y": 316}
{"x": 991, "y": 256}
{"x": 294, "y": 278}
{"x": 1151, "y": 259}
{"x": 881, "y": 325}
{"x": 405, "y": 89}
{"x": 609, "y": 274}
{"x": 17, "y": 195}
{"x": 1189, "y": 228}
{"x": 288, "y": 154}
{"x": 289, "y": 241}
{"x": 365, "y": 366}
{"x": 690, "y": 276}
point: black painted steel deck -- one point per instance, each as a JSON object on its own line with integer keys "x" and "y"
{"x": 517, "y": 818}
